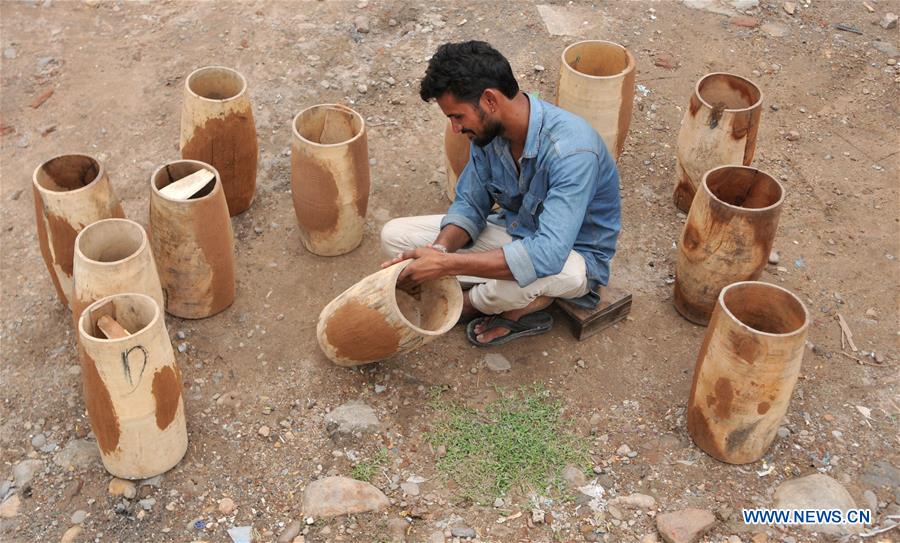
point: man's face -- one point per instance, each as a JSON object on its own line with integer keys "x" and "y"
{"x": 470, "y": 119}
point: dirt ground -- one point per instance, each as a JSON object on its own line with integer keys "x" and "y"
{"x": 117, "y": 70}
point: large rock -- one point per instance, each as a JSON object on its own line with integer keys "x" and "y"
{"x": 684, "y": 526}
{"x": 78, "y": 453}
{"x": 352, "y": 417}
{"x": 334, "y": 496}
{"x": 24, "y": 471}
{"x": 816, "y": 491}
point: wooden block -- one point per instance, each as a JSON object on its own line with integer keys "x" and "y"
{"x": 103, "y": 319}
{"x": 186, "y": 187}
{"x": 614, "y": 306}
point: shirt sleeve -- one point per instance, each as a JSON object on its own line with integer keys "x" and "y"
{"x": 544, "y": 253}
{"x": 472, "y": 204}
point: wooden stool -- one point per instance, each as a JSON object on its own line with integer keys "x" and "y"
{"x": 614, "y": 306}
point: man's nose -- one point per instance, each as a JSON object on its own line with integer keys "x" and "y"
{"x": 457, "y": 128}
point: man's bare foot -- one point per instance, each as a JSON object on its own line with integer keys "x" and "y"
{"x": 486, "y": 336}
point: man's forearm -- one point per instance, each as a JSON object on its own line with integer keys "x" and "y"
{"x": 452, "y": 237}
{"x": 490, "y": 264}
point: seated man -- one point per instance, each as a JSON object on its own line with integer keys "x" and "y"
{"x": 558, "y": 193}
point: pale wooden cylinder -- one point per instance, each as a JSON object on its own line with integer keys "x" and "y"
{"x": 193, "y": 243}
{"x": 217, "y": 127}
{"x": 132, "y": 389}
{"x": 374, "y": 320}
{"x": 746, "y": 371}
{"x": 70, "y": 192}
{"x": 113, "y": 256}
{"x": 596, "y": 82}
{"x": 728, "y": 236}
{"x": 330, "y": 178}
{"x": 719, "y": 127}
{"x": 456, "y": 156}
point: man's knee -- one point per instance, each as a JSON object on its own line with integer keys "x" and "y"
{"x": 394, "y": 238}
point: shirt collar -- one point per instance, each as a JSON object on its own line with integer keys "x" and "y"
{"x": 535, "y": 123}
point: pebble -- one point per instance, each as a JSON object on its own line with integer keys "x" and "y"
{"x": 147, "y": 503}
{"x": 352, "y": 417}
{"x": 574, "y": 476}
{"x": 538, "y": 68}
{"x": 792, "y": 135}
{"x": 623, "y": 450}
{"x": 774, "y": 107}
{"x": 410, "y": 489}
{"x": 335, "y": 496}
{"x": 264, "y": 431}
{"x": 24, "y": 471}
{"x": 463, "y": 532}
{"x": 182, "y": 347}
{"x": 10, "y": 506}
{"x": 38, "y": 441}
{"x": 437, "y": 537}
{"x": 789, "y": 7}
{"x": 397, "y": 528}
{"x": 71, "y": 534}
{"x": 497, "y": 362}
{"x": 888, "y": 22}
{"x": 774, "y": 258}
{"x": 580, "y": 363}
{"x": 290, "y": 532}
{"x": 499, "y": 502}
{"x": 783, "y": 432}
{"x": 79, "y": 516}
{"x": 776, "y": 30}
{"x": 226, "y": 506}
{"x": 78, "y": 453}
{"x": 684, "y": 526}
{"x": 9, "y": 53}
{"x": 637, "y": 500}
{"x": 537, "y": 516}
{"x": 362, "y": 89}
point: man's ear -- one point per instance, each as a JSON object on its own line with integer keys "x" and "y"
{"x": 490, "y": 99}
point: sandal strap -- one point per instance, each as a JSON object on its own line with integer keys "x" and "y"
{"x": 511, "y": 325}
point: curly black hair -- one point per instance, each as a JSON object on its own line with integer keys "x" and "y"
{"x": 466, "y": 69}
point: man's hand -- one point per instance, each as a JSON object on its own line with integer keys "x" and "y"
{"x": 428, "y": 264}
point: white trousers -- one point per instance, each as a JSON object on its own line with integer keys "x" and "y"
{"x": 489, "y": 296}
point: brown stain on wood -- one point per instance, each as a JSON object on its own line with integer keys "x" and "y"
{"x": 315, "y": 194}
{"x": 361, "y": 333}
{"x": 626, "y": 106}
{"x": 684, "y": 192}
{"x": 763, "y": 407}
{"x": 695, "y": 104}
{"x": 228, "y": 144}
{"x": 217, "y": 247}
{"x": 44, "y": 242}
{"x": 62, "y": 238}
{"x": 359, "y": 154}
{"x": 166, "y": 392}
{"x": 747, "y": 348}
{"x": 724, "y": 397}
{"x": 699, "y": 428}
{"x": 102, "y": 411}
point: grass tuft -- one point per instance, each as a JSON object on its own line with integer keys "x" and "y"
{"x": 518, "y": 441}
{"x": 365, "y": 470}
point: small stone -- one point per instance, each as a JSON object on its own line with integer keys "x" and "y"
{"x": 291, "y": 531}
{"x": 147, "y": 503}
{"x": 891, "y": 62}
{"x": 623, "y": 450}
{"x": 499, "y": 503}
{"x": 264, "y": 431}
{"x": 79, "y": 516}
{"x": 889, "y": 21}
{"x": 650, "y": 538}
{"x": 182, "y": 347}
{"x": 437, "y": 537}
{"x": 665, "y": 60}
{"x": 463, "y": 532}
{"x": 226, "y": 506}
{"x": 352, "y": 417}
{"x": 24, "y": 471}
{"x": 783, "y": 432}
{"x": 538, "y": 68}
{"x": 71, "y": 534}
{"x": 121, "y": 487}
{"x": 397, "y": 528}
{"x": 776, "y": 30}
{"x": 78, "y": 453}
{"x": 335, "y": 496}
{"x": 10, "y": 506}
{"x": 774, "y": 258}
{"x": 774, "y": 107}
{"x": 9, "y": 53}
{"x": 362, "y": 88}
{"x": 745, "y": 21}
{"x": 684, "y": 526}
{"x": 580, "y": 363}
{"x": 497, "y": 362}
{"x": 574, "y": 477}
{"x": 537, "y": 516}
{"x": 637, "y": 501}
{"x": 362, "y": 24}
{"x": 410, "y": 489}
{"x": 789, "y": 7}
{"x": 792, "y": 135}
{"x": 38, "y": 441}
{"x": 154, "y": 482}
{"x": 813, "y": 492}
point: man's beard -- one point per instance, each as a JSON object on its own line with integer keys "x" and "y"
{"x": 491, "y": 129}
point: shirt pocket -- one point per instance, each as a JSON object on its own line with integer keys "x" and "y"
{"x": 501, "y": 195}
{"x": 531, "y": 208}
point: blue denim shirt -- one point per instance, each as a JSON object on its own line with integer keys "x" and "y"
{"x": 566, "y": 197}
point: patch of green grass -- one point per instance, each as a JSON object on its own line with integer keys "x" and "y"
{"x": 365, "y": 470}
{"x": 518, "y": 441}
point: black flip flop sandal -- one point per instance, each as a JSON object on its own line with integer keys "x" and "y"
{"x": 533, "y": 324}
